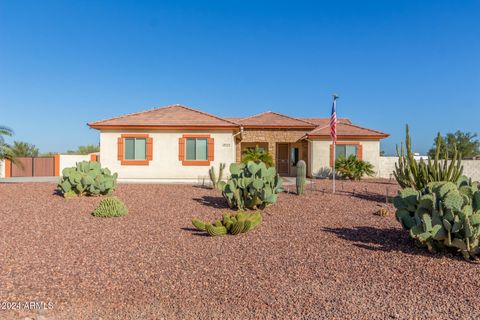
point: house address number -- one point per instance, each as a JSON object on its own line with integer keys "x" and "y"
{"x": 226, "y": 145}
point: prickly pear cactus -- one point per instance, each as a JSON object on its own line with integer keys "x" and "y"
{"x": 443, "y": 215}
{"x": 251, "y": 186}
{"x": 230, "y": 224}
{"x": 87, "y": 178}
{"x": 110, "y": 207}
{"x": 301, "y": 176}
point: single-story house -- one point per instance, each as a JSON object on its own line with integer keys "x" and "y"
{"x": 176, "y": 143}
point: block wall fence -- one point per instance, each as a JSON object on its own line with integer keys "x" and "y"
{"x": 60, "y": 162}
{"x": 386, "y": 165}
{"x": 471, "y": 168}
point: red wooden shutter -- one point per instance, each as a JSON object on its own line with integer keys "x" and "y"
{"x": 181, "y": 149}
{"x": 211, "y": 149}
{"x": 149, "y": 149}
{"x": 331, "y": 155}
{"x": 360, "y": 152}
{"x": 120, "y": 148}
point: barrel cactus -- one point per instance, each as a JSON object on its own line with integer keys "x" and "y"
{"x": 87, "y": 178}
{"x": 230, "y": 224}
{"x": 443, "y": 215}
{"x": 301, "y": 176}
{"x": 110, "y": 207}
{"x": 251, "y": 186}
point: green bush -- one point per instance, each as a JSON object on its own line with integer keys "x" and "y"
{"x": 230, "y": 224}
{"x": 410, "y": 173}
{"x": 110, "y": 207}
{"x": 252, "y": 186}
{"x": 257, "y": 155}
{"x": 353, "y": 168}
{"x": 87, "y": 178}
{"x": 442, "y": 215}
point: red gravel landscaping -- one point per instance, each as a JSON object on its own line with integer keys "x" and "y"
{"x": 314, "y": 257}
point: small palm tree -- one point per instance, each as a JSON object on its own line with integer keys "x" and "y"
{"x": 353, "y": 168}
{"x": 257, "y": 155}
{"x": 5, "y": 150}
{"x": 24, "y": 149}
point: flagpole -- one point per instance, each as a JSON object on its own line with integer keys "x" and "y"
{"x": 334, "y": 136}
{"x": 334, "y": 144}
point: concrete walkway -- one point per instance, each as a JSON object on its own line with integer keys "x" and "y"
{"x": 29, "y": 179}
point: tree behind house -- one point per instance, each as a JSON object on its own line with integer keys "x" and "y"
{"x": 82, "y": 150}
{"x": 467, "y": 144}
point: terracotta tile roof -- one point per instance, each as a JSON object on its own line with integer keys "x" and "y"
{"x": 273, "y": 120}
{"x": 324, "y": 121}
{"x": 169, "y": 116}
{"x": 346, "y": 130}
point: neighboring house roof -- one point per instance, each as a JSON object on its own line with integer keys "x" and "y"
{"x": 348, "y": 130}
{"x": 169, "y": 116}
{"x": 324, "y": 121}
{"x": 271, "y": 119}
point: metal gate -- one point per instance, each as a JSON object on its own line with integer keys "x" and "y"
{"x": 33, "y": 167}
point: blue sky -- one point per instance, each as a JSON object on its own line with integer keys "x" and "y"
{"x": 65, "y": 63}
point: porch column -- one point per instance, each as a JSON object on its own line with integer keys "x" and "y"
{"x": 272, "y": 149}
{"x": 238, "y": 150}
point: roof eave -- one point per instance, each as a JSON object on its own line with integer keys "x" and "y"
{"x": 162, "y": 127}
{"x": 277, "y": 127}
{"x": 368, "y": 137}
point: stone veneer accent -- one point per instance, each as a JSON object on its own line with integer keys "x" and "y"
{"x": 272, "y": 137}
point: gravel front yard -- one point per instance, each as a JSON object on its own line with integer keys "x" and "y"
{"x": 314, "y": 257}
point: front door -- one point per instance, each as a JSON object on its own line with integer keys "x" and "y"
{"x": 282, "y": 158}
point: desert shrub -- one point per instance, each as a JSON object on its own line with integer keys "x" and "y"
{"x": 251, "y": 186}
{"x": 411, "y": 173}
{"x": 353, "y": 168}
{"x": 230, "y": 224}
{"x": 257, "y": 155}
{"x": 87, "y": 178}
{"x": 110, "y": 207}
{"x": 382, "y": 212}
{"x": 442, "y": 215}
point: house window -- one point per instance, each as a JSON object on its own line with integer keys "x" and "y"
{"x": 197, "y": 149}
{"x": 346, "y": 150}
{"x": 135, "y": 149}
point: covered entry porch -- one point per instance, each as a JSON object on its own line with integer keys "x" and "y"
{"x": 285, "y": 154}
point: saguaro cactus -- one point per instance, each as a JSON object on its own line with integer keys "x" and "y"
{"x": 301, "y": 176}
{"x": 213, "y": 178}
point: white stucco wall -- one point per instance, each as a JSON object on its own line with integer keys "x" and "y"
{"x": 320, "y": 155}
{"x": 471, "y": 168}
{"x": 67, "y": 160}
{"x": 2, "y": 168}
{"x": 165, "y": 165}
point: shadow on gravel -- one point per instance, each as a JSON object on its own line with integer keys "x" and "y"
{"x": 215, "y": 202}
{"x": 195, "y": 232}
{"x": 387, "y": 240}
{"x": 370, "y": 196}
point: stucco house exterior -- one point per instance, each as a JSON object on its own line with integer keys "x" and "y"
{"x": 179, "y": 143}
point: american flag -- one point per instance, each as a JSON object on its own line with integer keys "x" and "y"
{"x": 333, "y": 120}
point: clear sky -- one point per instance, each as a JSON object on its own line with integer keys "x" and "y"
{"x": 66, "y": 63}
